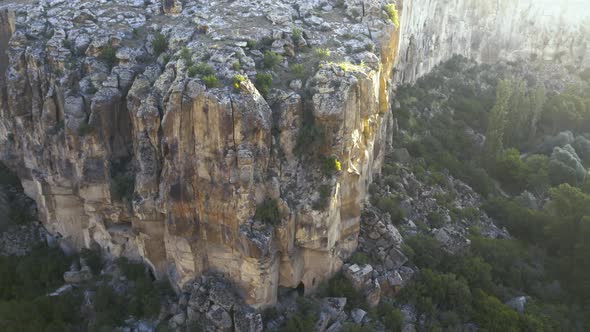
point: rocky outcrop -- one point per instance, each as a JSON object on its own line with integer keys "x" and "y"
{"x": 145, "y": 128}
{"x": 432, "y": 31}
{"x": 128, "y": 146}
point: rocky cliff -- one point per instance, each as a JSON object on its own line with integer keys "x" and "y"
{"x": 487, "y": 31}
{"x": 146, "y": 129}
{"x": 136, "y": 127}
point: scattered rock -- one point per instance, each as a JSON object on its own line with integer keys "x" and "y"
{"x": 517, "y": 303}
{"x": 358, "y": 315}
{"x": 77, "y": 277}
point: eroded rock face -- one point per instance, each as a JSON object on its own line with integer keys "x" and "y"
{"x": 127, "y": 144}
{"x": 487, "y": 31}
{"x": 126, "y": 149}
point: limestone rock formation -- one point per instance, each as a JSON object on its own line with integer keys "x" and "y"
{"x": 126, "y": 124}
{"x": 150, "y": 129}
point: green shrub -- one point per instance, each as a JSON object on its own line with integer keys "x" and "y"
{"x": 511, "y": 171}
{"x": 509, "y": 259}
{"x": 324, "y": 199}
{"x": 93, "y": 259}
{"x": 34, "y": 274}
{"x": 332, "y": 165}
{"x": 424, "y": 251}
{"x": 60, "y": 313}
{"x": 236, "y": 65}
{"x": 300, "y": 323}
{"x": 391, "y": 317}
{"x": 192, "y": 71}
{"x": 210, "y": 81}
{"x": 110, "y": 309}
{"x": 359, "y": 258}
{"x": 7, "y": 177}
{"x": 251, "y": 44}
{"x": 270, "y": 313}
{"x": 268, "y": 212}
{"x": 297, "y": 34}
{"x": 85, "y": 129}
{"x": 109, "y": 55}
{"x": 322, "y": 53}
{"x": 122, "y": 187}
{"x": 159, "y": 43}
{"x": 263, "y": 82}
{"x": 370, "y": 47}
{"x": 492, "y": 315}
{"x": 272, "y": 59}
{"x": 297, "y": 69}
{"x": 353, "y": 327}
{"x": 392, "y": 14}
{"x": 18, "y": 215}
{"x": 436, "y": 219}
{"x": 537, "y": 175}
{"x": 185, "y": 54}
{"x": 237, "y": 80}
{"x": 310, "y": 138}
{"x": 204, "y": 69}
{"x": 433, "y": 292}
{"x": 340, "y": 286}
{"x": 390, "y": 204}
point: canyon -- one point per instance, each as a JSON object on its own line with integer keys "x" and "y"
{"x": 127, "y": 151}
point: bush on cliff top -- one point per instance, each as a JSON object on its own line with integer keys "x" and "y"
{"x": 392, "y": 14}
{"x": 263, "y": 82}
{"x": 159, "y": 44}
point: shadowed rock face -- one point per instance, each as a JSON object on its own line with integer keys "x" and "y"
{"x": 127, "y": 146}
{"x": 7, "y": 27}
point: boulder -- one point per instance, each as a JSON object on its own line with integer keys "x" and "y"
{"x": 359, "y": 276}
{"x": 77, "y": 277}
{"x": 333, "y": 306}
{"x": 247, "y": 319}
{"x": 373, "y": 294}
{"x": 172, "y": 6}
{"x": 358, "y": 315}
{"x": 179, "y": 319}
{"x": 518, "y": 303}
{"x": 219, "y": 318}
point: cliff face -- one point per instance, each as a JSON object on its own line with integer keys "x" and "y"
{"x": 134, "y": 153}
{"x": 487, "y": 31}
{"x": 132, "y": 148}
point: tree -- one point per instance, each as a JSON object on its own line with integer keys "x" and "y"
{"x": 538, "y": 98}
{"x": 567, "y": 236}
{"x": 511, "y": 170}
{"x": 497, "y": 123}
{"x": 518, "y": 114}
{"x": 537, "y": 177}
{"x": 566, "y": 167}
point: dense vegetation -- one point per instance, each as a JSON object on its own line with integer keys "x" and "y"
{"x": 536, "y": 141}
{"x": 25, "y": 283}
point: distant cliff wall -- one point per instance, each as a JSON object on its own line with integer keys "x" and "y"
{"x": 434, "y": 30}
